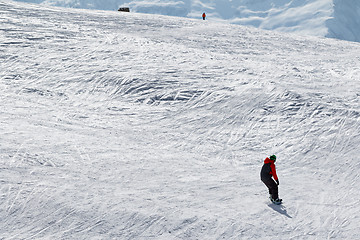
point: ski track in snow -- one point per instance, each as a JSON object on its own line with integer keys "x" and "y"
{"x": 134, "y": 126}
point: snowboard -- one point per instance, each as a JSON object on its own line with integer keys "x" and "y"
{"x": 276, "y": 203}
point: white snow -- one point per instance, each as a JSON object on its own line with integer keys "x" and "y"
{"x": 137, "y": 126}
{"x": 326, "y": 18}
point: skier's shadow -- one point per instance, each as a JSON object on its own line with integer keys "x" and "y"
{"x": 280, "y": 209}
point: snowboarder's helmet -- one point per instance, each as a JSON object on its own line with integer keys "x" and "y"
{"x": 273, "y": 157}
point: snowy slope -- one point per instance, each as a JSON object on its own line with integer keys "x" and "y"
{"x": 136, "y": 126}
{"x": 327, "y": 18}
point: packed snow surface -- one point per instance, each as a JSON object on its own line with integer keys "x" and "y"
{"x": 327, "y": 18}
{"x": 136, "y": 126}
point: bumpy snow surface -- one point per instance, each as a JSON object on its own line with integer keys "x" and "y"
{"x": 135, "y": 126}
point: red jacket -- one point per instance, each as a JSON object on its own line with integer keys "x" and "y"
{"x": 272, "y": 167}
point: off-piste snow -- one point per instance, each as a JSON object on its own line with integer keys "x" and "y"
{"x": 134, "y": 126}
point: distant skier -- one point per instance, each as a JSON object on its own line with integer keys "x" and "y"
{"x": 268, "y": 172}
{"x": 203, "y": 16}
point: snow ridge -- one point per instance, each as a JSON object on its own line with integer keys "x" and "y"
{"x": 327, "y": 18}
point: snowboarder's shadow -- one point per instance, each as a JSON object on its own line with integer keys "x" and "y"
{"x": 280, "y": 209}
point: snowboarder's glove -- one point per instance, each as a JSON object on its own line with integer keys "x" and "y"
{"x": 277, "y": 182}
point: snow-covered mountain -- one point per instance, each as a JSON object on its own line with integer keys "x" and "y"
{"x": 140, "y": 126}
{"x": 330, "y": 18}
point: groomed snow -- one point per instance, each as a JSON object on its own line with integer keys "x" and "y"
{"x": 136, "y": 126}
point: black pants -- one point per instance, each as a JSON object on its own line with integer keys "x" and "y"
{"x": 272, "y": 186}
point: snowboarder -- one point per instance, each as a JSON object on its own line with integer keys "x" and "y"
{"x": 268, "y": 175}
{"x": 203, "y": 16}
